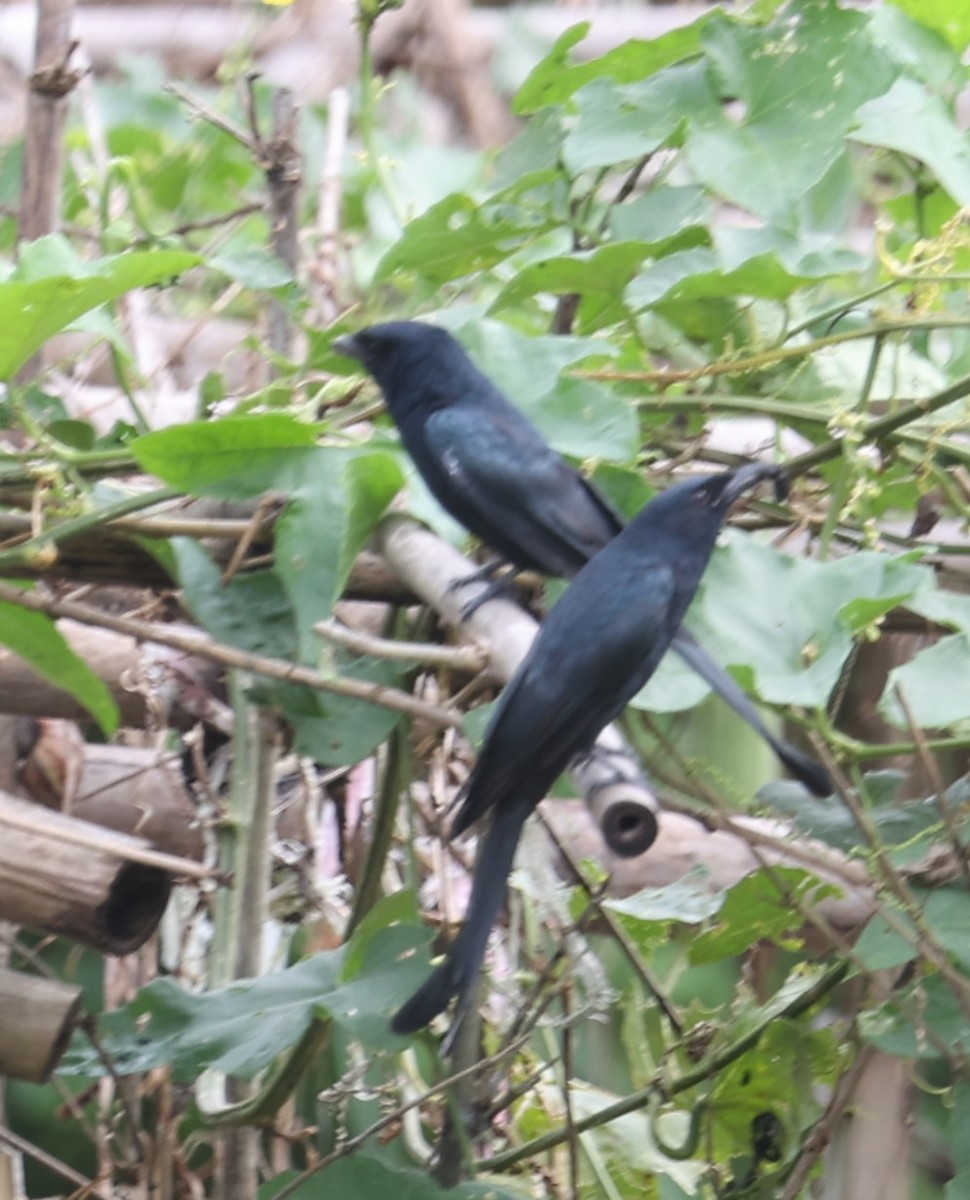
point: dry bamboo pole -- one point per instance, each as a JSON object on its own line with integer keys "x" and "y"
{"x": 39, "y": 1016}
{"x": 62, "y": 875}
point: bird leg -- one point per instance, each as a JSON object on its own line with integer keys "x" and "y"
{"x": 496, "y": 587}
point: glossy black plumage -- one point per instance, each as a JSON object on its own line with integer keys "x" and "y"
{"x": 489, "y": 467}
{"x": 597, "y": 647}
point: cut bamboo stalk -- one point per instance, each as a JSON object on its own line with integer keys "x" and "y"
{"x": 66, "y": 876}
{"x": 39, "y": 1016}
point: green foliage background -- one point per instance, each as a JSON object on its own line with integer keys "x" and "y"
{"x": 761, "y": 215}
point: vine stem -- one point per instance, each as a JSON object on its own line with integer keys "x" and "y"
{"x": 39, "y": 547}
{"x": 365, "y": 117}
{"x": 826, "y": 982}
{"x": 768, "y": 358}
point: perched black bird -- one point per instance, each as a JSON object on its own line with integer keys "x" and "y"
{"x": 597, "y": 647}
{"x": 489, "y": 467}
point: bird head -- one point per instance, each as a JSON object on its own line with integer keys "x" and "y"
{"x": 415, "y": 364}
{"x": 697, "y": 507}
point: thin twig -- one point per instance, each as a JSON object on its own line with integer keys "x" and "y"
{"x": 924, "y": 940}
{"x": 392, "y": 1118}
{"x": 707, "y": 1069}
{"x": 815, "y": 1144}
{"x": 595, "y": 899}
{"x": 324, "y": 267}
{"x": 429, "y": 654}
{"x": 936, "y": 779}
{"x": 259, "y": 664}
{"x": 572, "y": 1140}
{"x": 255, "y": 526}
{"x": 198, "y": 108}
{"x": 22, "y": 1146}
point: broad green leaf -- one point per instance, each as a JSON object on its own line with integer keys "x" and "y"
{"x": 949, "y": 17}
{"x": 689, "y": 900}
{"x": 365, "y": 1176}
{"x": 577, "y": 416}
{"x": 742, "y": 262}
{"x": 912, "y": 824}
{"x": 557, "y": 77}
{"x": 808, "y": 71}
{"x": 454, "y": 238}
{"x": 616, "y": 125}
{"x": 920, "y": 46}
{"x": 34, "y": 305}
{"x": 531, "y": 158}
{"x": 252, "y": 612}
{"x": 760, "y": 907}
{"x": 237, "y": 457}
{"x": 763, "y": 1081}
{"x": 241, "y": 1028}
{"x": 664, "y": 218}
{"x": 37, "y": 640}
{"x": 253, "y": 267}
{"x": 904, "y": 1025}
{"x": 335, "y": 730}
{"x": 607, "y": 270}
{"x": 948, "y": 608}
{"x": 912, "y": 121}
{"x": 883, "y": 944}
{"x": 789, "y": 622}
{"x": 934, "y": 684}
{"x": 336, "y": 501}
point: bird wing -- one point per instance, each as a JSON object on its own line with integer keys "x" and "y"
{"x": 596, "y": 649}
{"x": 524, "y": 495}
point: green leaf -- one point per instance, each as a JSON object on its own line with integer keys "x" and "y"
{"x": 760, "y": 908}
{"x": 944, "y": 911}
{"x": 934, "y": 684}
{"x": 557, "y": 78}
{"x": 242, "y": 1028}
{"x": 337, "y": 500}
{"x": 37, "y": 640}
{"x": 768, "y": 263}
{"x": 788, "y": 622}
{"x": 689, "y": 900}
{"x": 253, "y": 267}
{"x": 606, "y": 270}
{"x": 235, "y": 457}
{"x": 615, "y": 125}
{"x": 252, "y": 612}
{"x": 910, "y": 824}
{"x": 577, "y": 416}
{"x": 937, "y": 1011}
{"x": 949, "y": 17}
{"x": 365, "y": 1176}
{"x": 35, "y": 303}
{"x": 454, "y": 238}
{"x": 336, "y": 730}
{"x": 881, "y": 946}
{"x": 809, "y": 70}
{"x": 911, "y": 120}
{"x": 664, "y": 218}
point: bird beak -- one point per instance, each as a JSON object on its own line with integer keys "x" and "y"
{"x": 346, "y": 345}
{"x": 745, "y": 478}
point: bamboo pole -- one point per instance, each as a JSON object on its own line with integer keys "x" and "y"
{"x": 66, "y": 876}
{"x": 39, "y": 1016}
